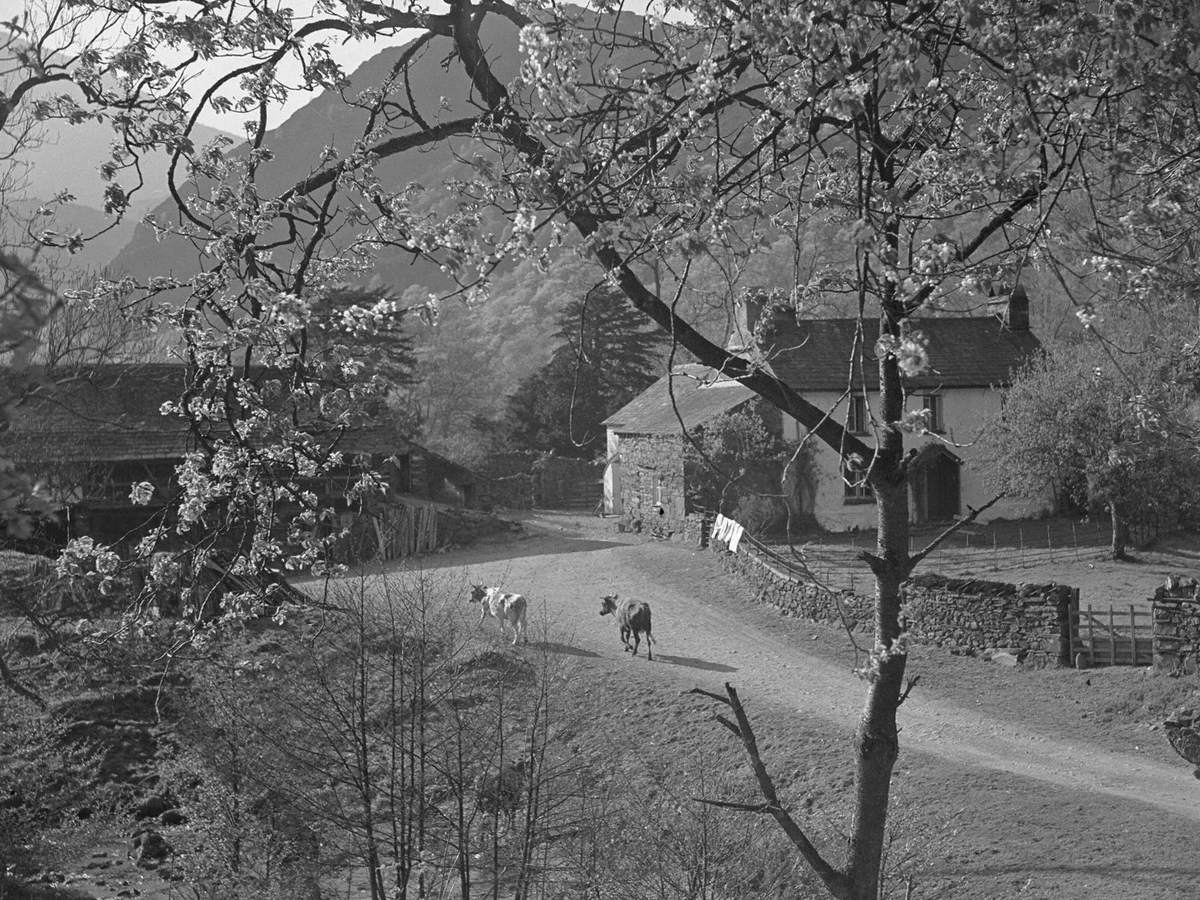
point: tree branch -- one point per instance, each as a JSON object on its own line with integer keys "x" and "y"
{"x": 915, "y": 559}
{"x": 382, "y": 150}
{"x": 9, "y": 679}
{"x": 710, "y": 695}
{"x": 729, "y": 804}
{"x": 512, "y": 128}
{"x": 836, "y": 882}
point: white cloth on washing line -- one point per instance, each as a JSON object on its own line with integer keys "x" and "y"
{"x": 718, "y": 529}
{"x": 735, "y": 536}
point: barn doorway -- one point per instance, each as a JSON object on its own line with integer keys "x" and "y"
{"x": 935, "y": 485}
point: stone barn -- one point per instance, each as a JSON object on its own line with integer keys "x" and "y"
{"x": 646, "y": 473}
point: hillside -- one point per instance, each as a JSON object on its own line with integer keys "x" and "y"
{"x": 476, "y": 355}
{"x": 297, "y": 145}
{"x": 68, "y": 157}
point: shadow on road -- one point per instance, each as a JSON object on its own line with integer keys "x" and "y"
{"x": 565, "y": 649}
{"x": 692, "y": 663}
{"x": 537, "y": 545}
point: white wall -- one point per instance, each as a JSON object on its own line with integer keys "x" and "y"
{"x": 612, "y": 476}
{"x": 966, "y": 413}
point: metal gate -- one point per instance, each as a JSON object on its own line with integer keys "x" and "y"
{"x": 1103, "y": 636}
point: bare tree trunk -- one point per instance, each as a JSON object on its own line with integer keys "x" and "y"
{"x": 1120, "y": 532}
{"x": 877, "y": 742}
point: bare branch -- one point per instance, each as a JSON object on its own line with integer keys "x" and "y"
{"x": 710, "y": 695}
{"x": 874, "y": 563}
{"x": 733, "y": 728}
{"x": 729, "y": 804}
{"x": 836, "y": 881}
{"x": 384, "y": 149}
{"x": 9, "y": 679}
{"x": 915, "y": 559}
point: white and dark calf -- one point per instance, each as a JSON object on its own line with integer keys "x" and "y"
{"x": 633, "y": 619}
{"x": 507, "y": 609}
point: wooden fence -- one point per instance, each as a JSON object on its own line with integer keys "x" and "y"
{"x": 1112, "y": 637}
{"x": 394, "y": 531}
{"x": 785, "y": 566}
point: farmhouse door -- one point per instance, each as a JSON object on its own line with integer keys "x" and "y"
{"x": 935, "y": 485}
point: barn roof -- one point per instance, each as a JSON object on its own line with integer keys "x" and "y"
{"x": 101, "y": 413}
{"x": 111, "y": 413}
{"x": 699, "y": 396}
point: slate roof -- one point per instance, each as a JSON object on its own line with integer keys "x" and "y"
{"x": 972, "y": 352}
{"x": 698, "y": 398}
{"x": 814, "y": 355}
{"x": 110, "y": 413}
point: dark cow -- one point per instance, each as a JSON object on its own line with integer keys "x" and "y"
{"x": 633, "y": 618}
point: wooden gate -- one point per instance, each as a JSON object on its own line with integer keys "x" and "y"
{"x": 1103, "y": 636}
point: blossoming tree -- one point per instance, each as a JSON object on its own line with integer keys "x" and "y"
{"x": 937, "y": 139}
{"x": 1103, "y": 434}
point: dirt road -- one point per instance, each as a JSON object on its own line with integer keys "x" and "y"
{"x": 705, "y": 640}
{"x": 1010, "y": 784}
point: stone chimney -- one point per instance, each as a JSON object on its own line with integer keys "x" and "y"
{"x": 748, "y": 314}
{"x": 1011, "y": 309}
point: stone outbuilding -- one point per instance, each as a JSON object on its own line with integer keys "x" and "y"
{"x": 645, "y": 476}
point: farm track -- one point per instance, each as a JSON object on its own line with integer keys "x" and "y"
{"x": 705, "y": 641}
{"x": 1011, "y": 784}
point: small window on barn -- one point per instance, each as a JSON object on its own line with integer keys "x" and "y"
{"x": 854, "y": 482}
{"x": 936, "y": 420}
{"x": 857, "y": 420}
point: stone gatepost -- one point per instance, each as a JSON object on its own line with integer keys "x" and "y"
{"x": 1177, "y": 625}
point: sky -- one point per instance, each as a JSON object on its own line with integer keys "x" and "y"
{"x": 349, "y": 54}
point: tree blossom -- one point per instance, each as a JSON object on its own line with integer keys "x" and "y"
{"x": 140, "y": 493}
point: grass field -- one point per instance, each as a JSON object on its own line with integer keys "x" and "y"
{"x": 1061, "y": 550}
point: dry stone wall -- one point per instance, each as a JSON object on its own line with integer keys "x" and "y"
{"x": 1177, "y": 625}
{"x": 1029, "y": 621}
{"x": 793, "y": 595}
{"x": 1032, "y": 620}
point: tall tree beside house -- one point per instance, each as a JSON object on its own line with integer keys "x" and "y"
{"x": 606, "y": 355}
{"x": 1109, "y": 439}
{"x": 736, "y": 464}
{"x": 939, "y": 138}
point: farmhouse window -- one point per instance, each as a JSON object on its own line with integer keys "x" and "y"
{"x": 937, "y": 421}
{"x": 857, "y": 420}
{"x": 854, "y": 481}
